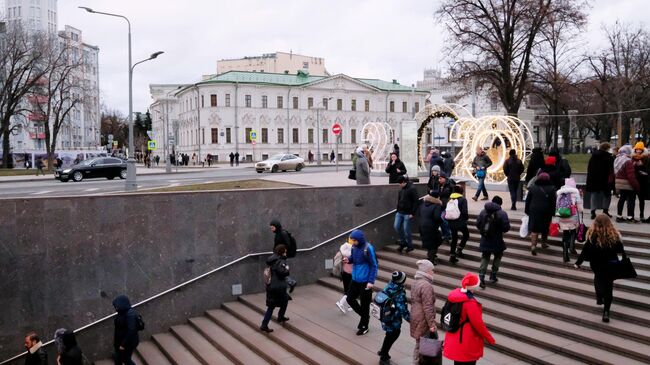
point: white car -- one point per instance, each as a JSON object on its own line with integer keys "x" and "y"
{"x": 281, "y": 161}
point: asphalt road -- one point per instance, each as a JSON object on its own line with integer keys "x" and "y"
{"x": 21, "y": 189}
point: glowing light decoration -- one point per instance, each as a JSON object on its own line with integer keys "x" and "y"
{"x": 377, "y": 137}
{"x": 431, "y": 112}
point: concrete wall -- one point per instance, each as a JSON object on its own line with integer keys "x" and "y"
{"x": 63, "y": 260}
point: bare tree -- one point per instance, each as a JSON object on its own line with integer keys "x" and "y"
{"x": 114, "y": 123}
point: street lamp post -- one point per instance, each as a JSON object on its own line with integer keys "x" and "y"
{"x": 318, "y": 160}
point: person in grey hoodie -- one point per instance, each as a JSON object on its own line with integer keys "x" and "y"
{"x": 125, "y": 337}
{"x": 362, "y": 167}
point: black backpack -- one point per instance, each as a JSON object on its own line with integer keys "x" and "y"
{"x": 139, "y": 322}
{"x": 293, "y": 247}
{"x": 450, "y": 318}
{"x": 489, "y": 224}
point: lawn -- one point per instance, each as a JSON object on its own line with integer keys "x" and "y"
{"x": 20, "y": 172}
{"x": 228, "y": 185}
{"x": 578, "y": 162}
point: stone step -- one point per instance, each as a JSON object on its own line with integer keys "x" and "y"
{"x": 304, "y": 349}
{"x": 175, "y": 351}
{"x": 199, "y": 346}
{"x": 151, "y": 354}
{"x": 228, "y": 345}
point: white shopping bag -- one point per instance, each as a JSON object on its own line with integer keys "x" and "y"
{"x": 523, "y": 231}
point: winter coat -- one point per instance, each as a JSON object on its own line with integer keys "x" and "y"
{"x": 626, "y": 177}
{"x": 433, "y": 184}
{"x": 36, "y": 355}
{"x": 392, "y": 168}
{"x": 540, "y": 206}
{"x": 281, "y": 235}
{"x": 513, "y": 168}
{"x": 429, "y": 222}
{"x": 556, "y": 178}
{"x": 641, "y": 171}
{"x": 535, "y": 164}
{"x": 71, "y": 354}
{"x": 126, "y": 331}
{"x": 363, "y": 169}
{"x": 423, "y": 310}
{"x": 450, "y": 164}
{"x": 572, "y": 222}
{"x": 445, "y": 192}
{"x": 276, "y": 291}
{"x": 407, "y": 199}
{"x": 346, "y": 251}
{"x": 464, "y": 212}
{"x": 493, "y": 241}
{"x": 436, "y": 160}
{"x": 364, "y": 263}
{"x": 599, "y": 170}
{"x": 397, "y": 292}
{"x": 599, "y": 257}
{"x": 481, "y": 161}
{"x": 473, "y": 331}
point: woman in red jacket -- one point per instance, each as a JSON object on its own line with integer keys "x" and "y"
{"x": 465, "y": 346}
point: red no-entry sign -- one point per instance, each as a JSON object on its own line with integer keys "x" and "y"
{"x": 336, "y": 129}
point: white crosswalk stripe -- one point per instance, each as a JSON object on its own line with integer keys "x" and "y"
{"x": 42, "y": 192}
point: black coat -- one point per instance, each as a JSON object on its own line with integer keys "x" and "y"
{"x": 556, "y": 178}
{"x": 464, "y": 215}
{"x": 126, "y": 331}
{"x": 71, "y": 354}
{"x": 407, "y": 200}
{"x": 281, "y": 235}
{"x": 493, "y": 242}
{"x": 599, "y": 257}
{"x": 642, "y": 176}
{"x": 276, "y": 291}
{"x": 391, "y": 170}
{"x": 513, "y": 168}
{"x": 540, "y": 206}
{"x": 429, "y": 220}
{"x": 535, "y": 164}
{"x": 39, "y": 357}
{"x": 450, "y": 164}
{"x": 599, "y": 169}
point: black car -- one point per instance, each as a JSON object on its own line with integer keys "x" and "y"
{"x": 108, "y": 167}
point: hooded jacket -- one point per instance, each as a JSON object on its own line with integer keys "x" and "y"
{"x": 126, "y": 331}
{"x": 407, "y": 199}
{"x": 363, "y": 260}
{"x": 397, "y": 292}
{"x": 281, "y": 235}
{"x": 493, "y": 241}
{"x": 474, "y": 331}
{"x": 429, "y": 222}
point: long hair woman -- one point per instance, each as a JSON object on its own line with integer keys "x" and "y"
{"x": 602, "y": 246}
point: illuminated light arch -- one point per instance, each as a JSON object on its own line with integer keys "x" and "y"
{"x": 434, "y": 111}
{"x": 376, "y": 136}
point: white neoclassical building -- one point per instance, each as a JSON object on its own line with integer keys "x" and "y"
{"x": 286, "y": 112}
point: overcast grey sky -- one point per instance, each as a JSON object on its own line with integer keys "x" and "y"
{"x": 386, "y": 39}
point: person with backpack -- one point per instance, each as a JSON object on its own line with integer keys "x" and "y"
{"x": 423, "y": 309}
{"x": 626, "y": 184}
{"x": 457, "y": 215}
{"x": 364, "y": 272}
{"x": 393, "y": 311}
{"x": 540, "y": 208}
{"x": 429, "y": 219}
{"x": 568, "y": 209}
{"x": 276, "y": 287}
{"x": 346, "y": 275}
{"x": 513, "y": 168}
{"x": 283, "y": 237}
{"x": 462, "y": 317}
{"x": 407, "y": 206}
{"x": 395, "y": 168}
{"x": 492, "y": 222}
{"x": 125, "y": 336}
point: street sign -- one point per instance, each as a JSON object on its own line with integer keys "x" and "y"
{"x": 336, "y": 129}
{"x": 150, "y": 134}
{"x": 151, "y": 145}
{"x": 253, "y": 136}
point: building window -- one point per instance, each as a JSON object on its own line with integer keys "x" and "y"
{"x": 310, "y": 103}
{"x": 391, "y": 106}
{"x": 213, "y": 100}
{"x": 295, "y": 136}
{"x": 367, "y": 105}
{"x": 310, "y": 135}
{"x": 305, "y": 65}
{"x": 339, "y": 104}
{"x": 227, "y": 99}
{"x": 353, "y": 136}
{"x": 265, "y": 101}
{"x": 325, "y": 100}
{"x": 325, "y": 135}
{"x": 417, "y": 106}
{"x": 404, "y": 107}
{"x": 265, "y": 135}
{"x": 280, "y": 102}
{"x": 215, "y": 135}
{"x": 228, "y": 139}
{"x": 280, "y": 135}
{"x": 353, "y": 105}
{"x": 295, "y": 102}
{"x": 248, "y": 135}
{"x": 248, "y": 101}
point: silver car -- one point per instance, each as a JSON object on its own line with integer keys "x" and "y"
{"x": 281, "y": 161}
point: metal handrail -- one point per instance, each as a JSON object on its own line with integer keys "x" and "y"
{"x": 188, "y": 282}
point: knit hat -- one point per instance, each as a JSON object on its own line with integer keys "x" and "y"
{"x": 469, "y": 282}
{"x": 639, "y": 146}
{"x": 543, "y": 176}
{"x": 570, "y": 182}
{"x": 424, "y": 265}
{"x": 497, "y": 200}
{"x": 398, "y": 277}
{"x": 435, "y": 168}
{"x": 550, "y": 160}
{"x": 358, "y": 235}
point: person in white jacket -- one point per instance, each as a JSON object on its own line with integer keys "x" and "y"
{"x": 569, "y": 225}
{"x": 346, "y": 277}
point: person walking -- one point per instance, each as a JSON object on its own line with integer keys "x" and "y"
{"x": 561, "y": 164}
{"x": 535, "y": 164}
{"x": 346, "y": 276}
{"x": 236, "y": 158}
{"x": 36, "y": 354}
{"x": 125, "y": 335}
{"x": 276, "y": 290}
{"x": 232, "y": 159}
{"x": 600, "y": 179}
{"x": 423, "y": 310}
{"x": 435, "y": 160}
{"x": 332, "y": 156}
{"x": 492, "y": 222}
{"x": 392, "y": 325}
{"x": 429, "y": 222}
{"x": 465, "y": 346}
{"x": 39, "y": 166}
{"x": 449, "y": 164}
{"x": 550, "y": 167}
{"x": 445, "y": 189}
{"x": 362, "y": 168}
{"x": 310, "y": 157}
{"x": 407, "y": 206}
{"x": 601, "y": 248}
{"x": 626, "y": 184}
{"x": 281, "y": 236}
{"x": 69, "y": 352}
{"x": 513, "y": 168}
{"x": 540, "y": 208}
{"x": 395, "y": 168}
{"x": 480, "y": 164}
{"x": 457, "y": 202}
{"x": 364, "y": 272}
{"x": 640, "y": 159}
{"x": 568, "y": 208}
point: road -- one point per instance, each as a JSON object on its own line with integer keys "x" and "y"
{"x": 52, "y": 187}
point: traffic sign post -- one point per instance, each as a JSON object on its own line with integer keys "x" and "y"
{"x": 151, "y": 145}
{"x": 336, "y": 129}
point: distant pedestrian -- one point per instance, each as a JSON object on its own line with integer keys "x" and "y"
{"x": 492, "y": 222}
{"x": 642, "y": 169}
{"x": 535, "y": 164}
{"x": 429, "y": 222}
{"x": 362, "y": 168}
{"x": 449, "y": 164}
{"x": 568, "y": 209}
{"x": 626, "y": 184}
{"x": 395, "y": 168}
{"x": 513, "y": 168}
{"x": 39, "y": 166}
{"x": 540, "y": 208}
{"x": 602, "y": 247}
{"x": 458, "y": 223}
{"x": 436, "y": 160}
{"x": 465, "y": 346}
{"x": 69, "y": 352}
{"x": 157, "y": 160}
{"x": 310, "y": 157}
{"x": 445, "y": 189}
{"x": 423, "y": 310}
{"x": 236, "y": 158}
{"x": 396, "y": 149}
{"x": 392, "y": 324}
{"x": 36, "y": 354}
{"x": 232, "y": 159}
{"x": 276, "y": 290}
{"x": 480, "y": 164}
{"x": 332, "y": 156}
{"x": 407, "y": 207}
{"x": 208, "y": 158}
{"x": 346, "y": 276}
{"x": 125, "y": 335}
{"x": 364, "y": 272}
{"x": 600, "y": 179}
{"x": 59, "y": 163}
{"x": 281, "y": 236}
